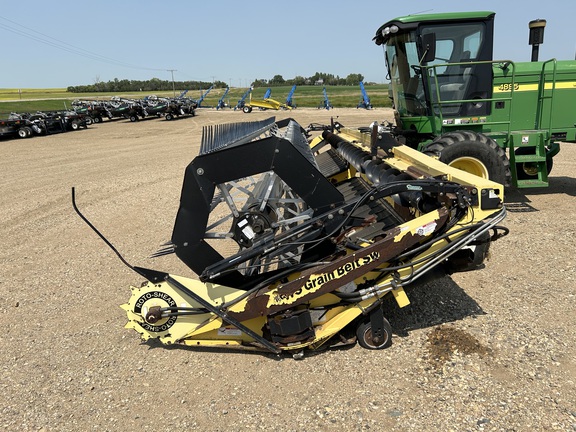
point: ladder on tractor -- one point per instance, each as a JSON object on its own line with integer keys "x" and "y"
{"x": 533, "y": 149}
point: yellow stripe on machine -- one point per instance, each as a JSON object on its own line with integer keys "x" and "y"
{"x": 505, "y": 88}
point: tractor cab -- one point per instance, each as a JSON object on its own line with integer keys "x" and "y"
{"x": 438, "y": 65}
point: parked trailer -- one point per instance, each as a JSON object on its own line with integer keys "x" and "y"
{"x": 10, "y": 128}
{"x": 181, "y": 106}
{"x": 95, "y": 110}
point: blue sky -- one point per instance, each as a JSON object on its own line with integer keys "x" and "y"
{"x": 58, "y": 44}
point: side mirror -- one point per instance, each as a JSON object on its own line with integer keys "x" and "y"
{"x": 428, "y": 47}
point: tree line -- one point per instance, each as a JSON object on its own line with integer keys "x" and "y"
{"x": 156, "y": 84}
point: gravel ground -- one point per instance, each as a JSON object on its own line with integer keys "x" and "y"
{"x": 490, "y": 350}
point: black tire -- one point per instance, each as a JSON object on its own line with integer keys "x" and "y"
{"x": 528, "y": 170}
{"x": 169, "y": 116}
{"x": 23, "y": 133}
{"x": 474, "y": 153}
{"x": 364, "y": 335}
{"x": 74, "y": 125}
{"x": 133, "y": 118}
{"x": 97, "y": 119}
{"x": 247, "y": 109}
{"x": 88, "y": 121}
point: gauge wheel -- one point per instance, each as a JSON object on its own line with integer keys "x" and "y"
{"x": 474, "y": 153}
{"x": 364, "y": 335}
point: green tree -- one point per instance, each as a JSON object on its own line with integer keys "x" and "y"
{"x": 354, "y": 79}
{"x": 277, "y": 80}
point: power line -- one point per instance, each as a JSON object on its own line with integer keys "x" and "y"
{"x": 64, "y": 46}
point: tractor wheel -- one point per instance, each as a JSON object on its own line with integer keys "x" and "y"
{"x": 247, "y": 109}
{"x": 474, "y": 153}
{"x": 529, "y": 170}
{"x": 169, "y": 116}
{"x": 88, "y": 121}
{"x": 133, "y": 118}
{"x": 364, "y": 335}
{"x": 97, "y": 119}
{"x": 74, "y": 125}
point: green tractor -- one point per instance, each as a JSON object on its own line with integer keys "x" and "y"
{"x": 498, "y": 119}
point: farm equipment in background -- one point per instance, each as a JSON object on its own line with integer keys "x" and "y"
{"x": 365, "y": 101}
{"x": 498, "y": 119}
{"x": 242, "y": 101}
{"x": 96, "y": 110}
{"x": 136, "y": 111}
{"x": 17, "y": 127}
{"x": 267, "y": 103}
{"x": 154, "y": 106}
{"x": 118, "y": 107}
{"x": 42, "y": 123}
{"x": 180, "y": 106}
{"x": 70, "y": 119}
{"x": 296, "y": 240}
{"x": 289, "y": 101}
{"x": 326, "y": 102}
{"x": 222, "y": 101}
{"x": 202, "y": 97}
{"x": 25, "y": 125}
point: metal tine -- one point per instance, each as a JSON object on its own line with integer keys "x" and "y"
{"x": 298, "y": 140}
{"x": 169, "y": 249}
{"x": 225, "y": 135}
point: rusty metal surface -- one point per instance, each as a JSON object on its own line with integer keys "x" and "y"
{"x": 324, "y": 279}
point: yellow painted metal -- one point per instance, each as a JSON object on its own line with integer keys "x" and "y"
{"x": 535, "y": 87}
{"x": 470, "y": 165}
{"x": 268, "y": 103}
{"x": 401, "y": 297}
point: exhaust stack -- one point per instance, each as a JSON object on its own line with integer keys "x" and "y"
{"x": 536, "y": 36}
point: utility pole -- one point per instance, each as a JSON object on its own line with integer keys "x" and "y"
{"x": 173, "y": 88}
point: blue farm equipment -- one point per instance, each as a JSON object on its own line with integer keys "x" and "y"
{"x": 289, "y": 102}
{"x": 326, "y": 102}
{"x": 202, "y": 96}
{"x": 242, "y": 101}
{"x": 365, "y": 101}
{"x": 222, "y": 101}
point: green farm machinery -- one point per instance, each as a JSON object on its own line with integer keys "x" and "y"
{"x": 498, "y": 119}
